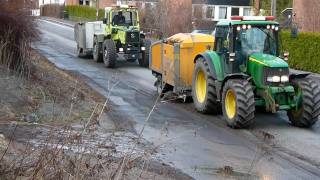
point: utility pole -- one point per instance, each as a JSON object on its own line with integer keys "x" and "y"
{"x": 97, "y": 13}
{"x": 274, "y": 8}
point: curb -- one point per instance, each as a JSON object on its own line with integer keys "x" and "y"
{"x": 56, "y": 21}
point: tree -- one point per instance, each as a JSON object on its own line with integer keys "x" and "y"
{"x": 281, "y": 5}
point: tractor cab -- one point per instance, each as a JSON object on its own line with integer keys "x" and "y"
{"x": 240, "y": 39}
{"x": 123, "y": 16}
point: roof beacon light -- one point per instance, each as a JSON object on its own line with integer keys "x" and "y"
{"x": 236, "y": 18}
{"x": 270, "y": 18}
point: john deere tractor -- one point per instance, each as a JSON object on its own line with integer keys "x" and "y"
{"x": 237, "y": 71}
{"x": 118, "y": 35}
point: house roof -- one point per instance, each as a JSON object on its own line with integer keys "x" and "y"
{"x": 223, "y": 2}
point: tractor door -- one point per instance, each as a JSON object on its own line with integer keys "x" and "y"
{"x": 222, "y": 46}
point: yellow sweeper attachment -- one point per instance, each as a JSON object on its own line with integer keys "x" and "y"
{"x": 172, "y": 60}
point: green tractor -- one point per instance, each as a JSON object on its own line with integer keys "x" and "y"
{"x": 118, "y": 35}
{"x": 246, "y": 71}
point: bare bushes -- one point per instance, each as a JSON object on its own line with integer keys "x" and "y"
{"x": 17, "y": 31}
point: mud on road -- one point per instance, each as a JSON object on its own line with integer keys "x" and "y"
{"x": 54, "y": 126}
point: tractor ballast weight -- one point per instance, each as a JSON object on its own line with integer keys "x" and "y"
{"x": 235, "y": 71}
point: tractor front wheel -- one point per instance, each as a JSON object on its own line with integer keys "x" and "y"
{"x": 204, "y": 93}
{"x": 308, "y": 97}
{"x": 238, "y": 103}
{"x": 109, "y": 53}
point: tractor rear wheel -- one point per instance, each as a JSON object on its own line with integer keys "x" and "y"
{"x": 109, "y": 53}
{"x": 97, "y": 47}
{"x": 238, "y": 103}
{"x": 204, "y": 93}
{"x": 144, "y": 60}
{"x": 308, "y": 111}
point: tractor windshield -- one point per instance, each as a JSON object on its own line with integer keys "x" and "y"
{"x": 256, "y": 40}
{"x": 124, "y": 18}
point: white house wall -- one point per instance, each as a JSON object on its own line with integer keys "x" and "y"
{"x": 217, "y": 7}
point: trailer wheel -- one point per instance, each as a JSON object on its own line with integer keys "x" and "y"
{"x": 80, "y": 52}
{"x": 308, "y": 110}
{"x": 144, "y": 61}
{"x": 97, "y": 47}
{"x": 161, "y": 86}
{"x": 204, "y": 93}
{"x": 109, "y": 53}
{"x": 238, "y": 103}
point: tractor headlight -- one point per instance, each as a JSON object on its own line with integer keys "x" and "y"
{"x": 274, "y": 79}
{"x": 284, "y": 79}
{"x": 120, "y": 49}
{"x": 143, "y": 48}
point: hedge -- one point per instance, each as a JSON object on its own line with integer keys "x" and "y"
{"x": 84, "y": 12}
{"x": 304, "y": 50}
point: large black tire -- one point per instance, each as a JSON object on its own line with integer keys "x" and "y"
{"x": 204, "y": 93}
{"x": 80, "y": 52}
{"x": 238, "y": 105}
{"x": 109, "y": 53}
{"x": 144, "y": 61}
{"x": 309, "y": 110}
{"x": 97, "y": 48}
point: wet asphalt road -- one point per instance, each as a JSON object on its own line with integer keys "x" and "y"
{"x": 197, "y": 144}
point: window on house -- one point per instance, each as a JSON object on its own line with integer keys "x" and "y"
{"x": 235, "y": 12}
{"x": 197, "y": 11}
{"x": 87, "y": 2}
{"x": 223, "y": 13}
{"x": 210, "y": 12}
{"x": 247, "y": 12}
{"x": 80, "y": 2}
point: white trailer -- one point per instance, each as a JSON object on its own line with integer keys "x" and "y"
{"x": 85, "y": 34}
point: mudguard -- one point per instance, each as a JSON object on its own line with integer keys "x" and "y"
{"x": 213, "y": 59}
{"x": 298, "y": 76}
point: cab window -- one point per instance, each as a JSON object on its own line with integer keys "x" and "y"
{"x": 221, "y": 40}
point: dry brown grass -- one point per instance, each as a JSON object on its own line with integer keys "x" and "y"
{"x": 17, "y": 31}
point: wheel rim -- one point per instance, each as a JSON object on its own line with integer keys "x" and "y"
{"x": 201, "y": 86}
{"x": 230, "y": 104}
{"x": 105, "y": 54}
